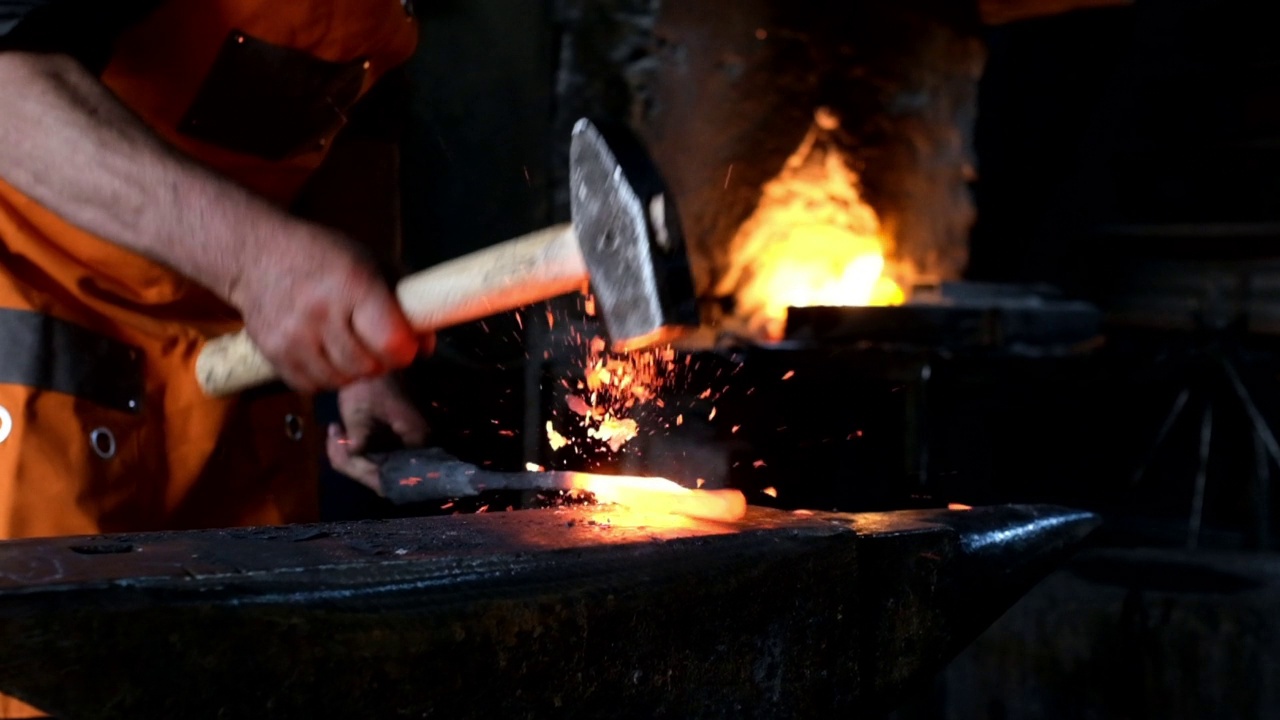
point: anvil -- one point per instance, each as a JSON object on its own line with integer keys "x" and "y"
{"x": 575, "y": 612}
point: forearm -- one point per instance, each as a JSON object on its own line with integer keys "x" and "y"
{"x": 69, "y": 144}
{"x": 315, "y": 305}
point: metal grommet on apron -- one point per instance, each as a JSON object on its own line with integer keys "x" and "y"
{"x": 293, "y": 427}
{"x": 103, "y": 443}
{"x": 6, "y": 424}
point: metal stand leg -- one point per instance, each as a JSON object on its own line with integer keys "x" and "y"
{"x": 1202, "y": 477}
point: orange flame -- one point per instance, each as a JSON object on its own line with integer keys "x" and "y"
{"x": 812, "y": 240}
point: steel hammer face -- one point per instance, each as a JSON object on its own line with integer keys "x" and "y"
{"x": 631, "y": 238}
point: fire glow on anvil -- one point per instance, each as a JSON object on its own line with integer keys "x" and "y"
{"x": 579, "y": 612}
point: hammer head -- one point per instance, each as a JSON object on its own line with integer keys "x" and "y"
{"x": 631, "y": 238}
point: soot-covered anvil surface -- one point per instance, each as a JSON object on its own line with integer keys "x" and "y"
{"x": 579, "y": 612}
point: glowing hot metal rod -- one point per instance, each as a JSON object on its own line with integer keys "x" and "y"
{"x": 625, "y": 239}
{"x": 411, "y": 476}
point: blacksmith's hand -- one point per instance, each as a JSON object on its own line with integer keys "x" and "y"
{"x": 365, "y": 406}
{"x": 320, "y": 311}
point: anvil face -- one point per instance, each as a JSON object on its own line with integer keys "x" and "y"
{"x": 589, "y": 611}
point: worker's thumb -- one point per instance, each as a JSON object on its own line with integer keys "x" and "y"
{"x": 384, "y": 330}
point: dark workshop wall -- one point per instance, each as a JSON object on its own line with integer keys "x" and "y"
{"x": 1132, "y": 153}
{"x": 476, "y": 153}
{"x": 1135, "y": 130}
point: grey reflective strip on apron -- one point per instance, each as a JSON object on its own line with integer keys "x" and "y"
{"x": 42, "y": 352}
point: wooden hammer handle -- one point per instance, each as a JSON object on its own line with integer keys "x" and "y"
{"x": 510, "y": 275}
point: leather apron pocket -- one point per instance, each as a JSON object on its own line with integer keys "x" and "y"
{"x": 272, "y": 102}
{"x": 72, "y": 430}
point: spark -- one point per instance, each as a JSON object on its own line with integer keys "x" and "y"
{"x": 555, "y": 439}
{"x": 771, "y": 492}
{"x": 614, "y": 432}
{"x": 579, "y": 406}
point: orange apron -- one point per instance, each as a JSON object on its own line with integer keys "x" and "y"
{"x": 102, "y": 426}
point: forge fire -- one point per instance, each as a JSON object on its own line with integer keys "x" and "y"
{"x": 812, "y": 240}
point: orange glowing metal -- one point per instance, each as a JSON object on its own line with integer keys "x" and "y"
{"x": 812, "y": 240}
{"x": 657, "y": 496}
{"x": 959, "y": 506}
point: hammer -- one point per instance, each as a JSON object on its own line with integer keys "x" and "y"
{"x": 625, "y": 239}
